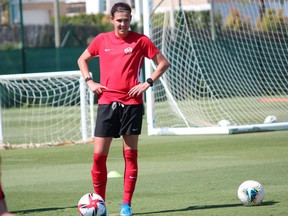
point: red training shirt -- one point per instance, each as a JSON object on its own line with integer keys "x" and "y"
{"x": 121, "y": 60}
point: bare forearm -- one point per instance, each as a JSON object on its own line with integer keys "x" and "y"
{"x": 162, "y": 66}
{"x": 83, "y": 66}
{"x": 83, "y": 63}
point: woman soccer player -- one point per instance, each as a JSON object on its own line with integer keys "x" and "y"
{"x": 120, "y": 101}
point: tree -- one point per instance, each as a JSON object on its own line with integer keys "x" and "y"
{"x": 4, "y": 5}
{"x": 261, "y": 6}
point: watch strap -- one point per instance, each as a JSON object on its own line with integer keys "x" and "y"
{"x": 88, "y": 79}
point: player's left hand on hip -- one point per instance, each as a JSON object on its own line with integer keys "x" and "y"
{"x": 138, "y": 89}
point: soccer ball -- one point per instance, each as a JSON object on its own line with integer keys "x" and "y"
{"x": 224, "y": 123}
{"x": 251, "y": 193}
{"x": 270, "y": 119}
{"x": 91, "y": 204}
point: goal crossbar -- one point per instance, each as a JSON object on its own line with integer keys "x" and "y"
{"x": 39, "y": 75}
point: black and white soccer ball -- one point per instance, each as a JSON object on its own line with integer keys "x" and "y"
{"x": 251, "y": 193}
{"x": 91, "y": 204}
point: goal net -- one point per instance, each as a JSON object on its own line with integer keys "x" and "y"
{"x": 228, "y": 66}
{"x": 45, "y": 108}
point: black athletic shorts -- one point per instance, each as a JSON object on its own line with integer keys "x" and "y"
{"x": 116, "y": 119}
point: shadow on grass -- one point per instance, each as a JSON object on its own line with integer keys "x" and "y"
{"x": 190, "y": 208}
{"x": 194, "y": 208}
{"x": 28, "y": 211}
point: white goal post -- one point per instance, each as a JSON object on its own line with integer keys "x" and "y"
{"x": 223, "y": 78}
{"x": 45, "y": 108}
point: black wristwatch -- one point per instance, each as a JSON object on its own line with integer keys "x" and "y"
{"x": 150, "y": 81}
{"x": 88, "y": 79}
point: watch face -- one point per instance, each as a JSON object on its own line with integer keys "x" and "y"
{"x": 150, "y": 81}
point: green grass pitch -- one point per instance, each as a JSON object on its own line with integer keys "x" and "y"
{"x": 178, "y": 175}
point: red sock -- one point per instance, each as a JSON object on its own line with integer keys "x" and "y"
{"x": 130, "y": 174}
{"x": 99, "y": 174}
{"x": 2, "y": 196}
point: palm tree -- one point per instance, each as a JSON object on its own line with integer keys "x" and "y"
{"x": 262, "y": 8}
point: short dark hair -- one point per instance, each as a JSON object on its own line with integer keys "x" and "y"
{"x": 120, "y": 7}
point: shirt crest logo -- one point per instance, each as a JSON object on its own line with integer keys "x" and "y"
{"x": 128, "y": 50}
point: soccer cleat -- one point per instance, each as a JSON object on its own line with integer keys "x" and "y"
{"x": 125, "y": 210}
